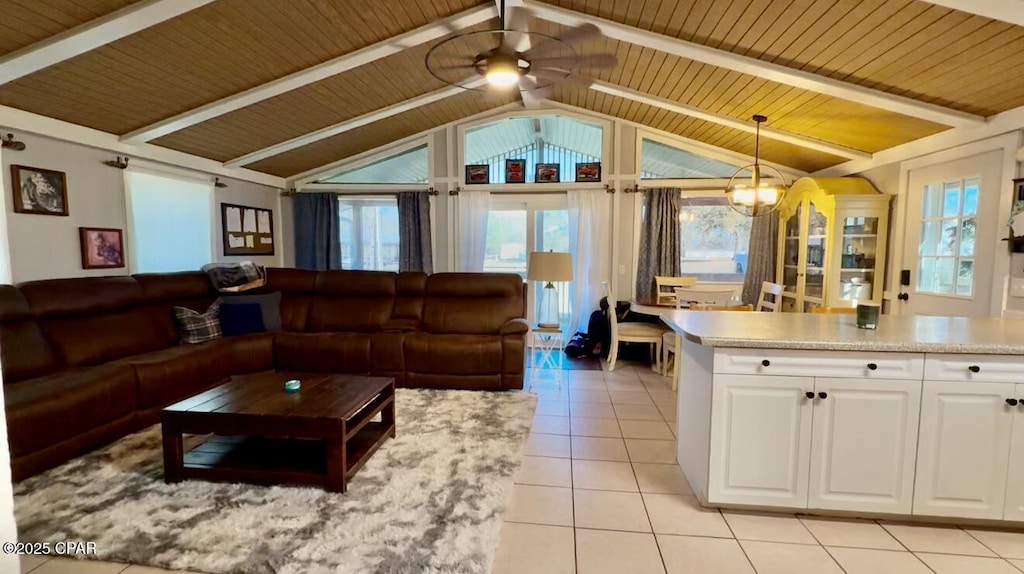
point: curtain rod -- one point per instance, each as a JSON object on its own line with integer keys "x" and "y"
{"x": 430, "y": 191}
{"x": 457, "y": 190}
{"x": 638, "y": 189}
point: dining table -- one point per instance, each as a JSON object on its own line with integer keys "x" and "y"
{"x": 651, "y": 306}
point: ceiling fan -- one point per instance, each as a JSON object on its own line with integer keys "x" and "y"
{"x": 512, "y": 57}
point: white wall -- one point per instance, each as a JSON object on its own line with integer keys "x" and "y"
{"x": 47, "y": 247}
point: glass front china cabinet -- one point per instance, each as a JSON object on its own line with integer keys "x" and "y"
{"x": 832, "y": 243}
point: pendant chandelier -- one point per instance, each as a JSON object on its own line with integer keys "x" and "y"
{"x": 761, "y": 193}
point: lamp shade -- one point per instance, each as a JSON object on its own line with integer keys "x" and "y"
{"x": 549, "y": 266}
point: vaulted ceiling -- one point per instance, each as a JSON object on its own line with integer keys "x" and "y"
{"x": 233, "y": 80}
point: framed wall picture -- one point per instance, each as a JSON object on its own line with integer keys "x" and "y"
{"x": 478, "y": 174}
{"x": 547, "y": 173}
{"x": 515, "y": 171}
{"x": 588, "y": 171}
{"x": 247, "y": 230}
{"x": 40, "y": 191}
{"x": 102, "y": 248}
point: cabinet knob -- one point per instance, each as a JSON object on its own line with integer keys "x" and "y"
{"x": 974, "y": 368}
{"x": 872, "y": 367}
{"x": 1012, "y": 402}
{"x": 809, "y": 394}
{"x": 822, "y": 395}
{"x": 765, "y": 363}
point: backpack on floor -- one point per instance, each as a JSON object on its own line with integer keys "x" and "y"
{"x": 599, "y": 335}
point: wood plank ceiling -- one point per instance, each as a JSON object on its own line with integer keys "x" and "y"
{"x": 903, "y": 47}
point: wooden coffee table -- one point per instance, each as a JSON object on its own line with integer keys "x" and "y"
{"x": 320, "y": 435}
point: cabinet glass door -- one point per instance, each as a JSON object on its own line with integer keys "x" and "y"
{"x": 791, "y": 258}
{"x": 857, "y": 260}
{"x": 817, "y": 229}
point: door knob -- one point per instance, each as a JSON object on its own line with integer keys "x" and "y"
{"x": 822, "y": 395}
{"x": 872, "y": 367}
{"x": 1012, "y": 402}
{"x": 974, "y": 368}
{"x": 903, "y": 297}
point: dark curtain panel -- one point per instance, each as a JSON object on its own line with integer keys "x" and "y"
{"x": 659, "y": 239}
{"x": 414, "y": 232}
{"x": 317, "y": 231}
{"x": 764, "y": 234}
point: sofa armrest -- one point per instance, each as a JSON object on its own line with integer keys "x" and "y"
{"x": 401, "y": 324}
{"x": 514, "y": 327}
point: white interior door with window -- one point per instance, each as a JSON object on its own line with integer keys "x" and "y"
{"x": 950, "y": 232}
{"x": 523, "y": 223}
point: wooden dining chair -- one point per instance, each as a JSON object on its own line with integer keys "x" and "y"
{"x": 835, "y": 310}
{"x": 670, "y": 283}
{"x": 689, "y": 298}
{"x": 630, "y": 333}
{"x": 775, "y": 304}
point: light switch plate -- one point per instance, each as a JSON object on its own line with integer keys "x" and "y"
{"x": 1017, "y": 287}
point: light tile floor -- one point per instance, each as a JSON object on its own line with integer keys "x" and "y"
{"x": 599, "y": 492}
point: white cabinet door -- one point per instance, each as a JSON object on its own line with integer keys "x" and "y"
{"x": 760, "y": 440}
{"x": 864, "y": 445}
{"x": 963, "y": 449}
{"x": 1014, "y": 483}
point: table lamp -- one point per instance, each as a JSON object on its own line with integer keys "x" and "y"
{"x": 549, "y": 266}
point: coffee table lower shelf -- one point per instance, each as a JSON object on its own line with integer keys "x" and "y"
{"x": 269, "y": 461}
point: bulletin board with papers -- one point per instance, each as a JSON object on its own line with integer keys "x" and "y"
{"x": 247, "y": 230}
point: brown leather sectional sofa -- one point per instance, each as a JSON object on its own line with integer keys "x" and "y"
{"x": 86, "y": 361}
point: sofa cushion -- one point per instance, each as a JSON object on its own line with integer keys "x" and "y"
{"x": 472, "y": 303}
{"x": 24, "y": 352}
{"x": 91, "y": 340}
{"x": 196, "y": 327}
{"x": 241, "y": 319}
{"x": 176, "y": 373}
{"x": 453, "y": 354}
{"x": 52, "y": 408}
{"x": 185, "y": 289}
{"x": 323, "y": 352}
{"x": 352, "y": 301}
{"x": 269, "y": 303}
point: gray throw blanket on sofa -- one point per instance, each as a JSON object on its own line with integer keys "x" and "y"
{"x": 235, "y": 277}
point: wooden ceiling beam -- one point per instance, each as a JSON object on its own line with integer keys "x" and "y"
{"x": 357, "y": 122}
{"x": 91, "y": 35}
{"x": 1011, "y": 11}
{"x": 760, "y": 68}
{"x": 728, "y": 121}
{"x": 313, "y": 74}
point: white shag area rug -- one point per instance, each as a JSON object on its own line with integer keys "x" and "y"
{"x": 430, "y": 500}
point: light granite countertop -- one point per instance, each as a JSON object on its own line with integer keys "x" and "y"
{"x": 811, "y": 331}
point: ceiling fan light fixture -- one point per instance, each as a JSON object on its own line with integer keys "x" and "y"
{"x": 502, "y": 72}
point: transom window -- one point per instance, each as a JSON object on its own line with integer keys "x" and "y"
{"x": 546, "y": 139}
{"x": 660, "y": 161}
{"x": 409, "y": 166}
{"x": 949, "y": 220}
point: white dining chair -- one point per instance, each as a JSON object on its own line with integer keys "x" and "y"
{"x": 684, "y": 298}
{"x": 661, "y": 283}
{"x": 630, "y": 333}
{"x": 773, "y": 289}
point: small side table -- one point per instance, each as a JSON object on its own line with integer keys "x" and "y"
{"x": 549, "y": 341}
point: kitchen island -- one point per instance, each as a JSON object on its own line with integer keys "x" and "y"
{"x": 805, "y": 412}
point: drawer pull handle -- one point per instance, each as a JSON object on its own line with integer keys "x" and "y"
{"x": 822, "y": 395}
{"x": 765, "y": 363}
{"x": 809, "y": 394}
{"x": 974, "y": 368}
{"x": 1012, "y": 402}
{"x": 872, "y": 367}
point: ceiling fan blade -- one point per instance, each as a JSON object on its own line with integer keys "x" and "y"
{"x": 579, "y": 34}
{"x": 456, "y": 67}
{"x": 561, "y": 76}
{"x": 529, "y": 84}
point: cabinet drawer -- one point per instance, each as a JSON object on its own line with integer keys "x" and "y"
{"x": 855, "y": 364}
{"x": 981, "y": 368}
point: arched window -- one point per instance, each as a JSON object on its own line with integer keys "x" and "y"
{"x": 548, "y": 139}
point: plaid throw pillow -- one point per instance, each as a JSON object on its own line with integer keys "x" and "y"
{"x": 198, "y": 327}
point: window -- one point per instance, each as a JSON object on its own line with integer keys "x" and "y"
{"x": 713, "y": 240}
{"x": 660, "y": 161}
{"x": 517, "y": 227}
{"x": 171, "y": 222}
{"x": 949, "y": 220}
{"x": 369, "y": 233}
{"x": 406, "y": 167}
{"x": 545, "y": 139}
